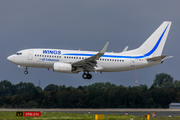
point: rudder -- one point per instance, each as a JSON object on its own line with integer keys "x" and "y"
{"x": 154, "y": 45}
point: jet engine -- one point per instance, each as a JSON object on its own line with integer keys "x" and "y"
{"x": 64, "y": 68}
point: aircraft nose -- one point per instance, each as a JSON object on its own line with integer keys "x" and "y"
{"x": 10, "y": 58}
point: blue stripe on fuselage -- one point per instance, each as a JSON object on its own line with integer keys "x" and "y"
{"x": 115, "y": 56}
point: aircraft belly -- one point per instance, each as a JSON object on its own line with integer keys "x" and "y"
{"x": 124, "y": 66}
{"x": 43, "y": 64}
{"x": 113, "y": 67}
{"x": 139, "y": 63}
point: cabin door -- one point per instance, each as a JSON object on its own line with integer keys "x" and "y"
{"x": 30, "y": 55}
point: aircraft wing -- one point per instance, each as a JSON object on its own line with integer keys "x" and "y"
{"x": 91, "y": 63}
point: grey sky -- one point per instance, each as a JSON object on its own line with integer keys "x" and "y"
{"x": 88, "y": 25}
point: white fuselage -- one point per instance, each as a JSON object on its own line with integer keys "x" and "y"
{"x": 109, "y": 62}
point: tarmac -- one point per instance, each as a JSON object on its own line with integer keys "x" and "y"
{"x": 135, "y": 112}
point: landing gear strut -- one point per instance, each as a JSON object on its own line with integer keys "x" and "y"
{"x": 26, "y": 71}
{"x": 86, "y": 75}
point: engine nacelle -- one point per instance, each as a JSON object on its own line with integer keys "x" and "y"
{"x": 62, "y": 67}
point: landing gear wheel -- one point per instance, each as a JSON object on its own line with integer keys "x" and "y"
{"x": 89, "y": 76}
{"x": 26, "y": 72}
{"x": 84, "y": 76}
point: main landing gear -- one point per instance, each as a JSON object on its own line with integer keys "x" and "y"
{"x": 86, "y": 75}
{"x": 26, "y": 71}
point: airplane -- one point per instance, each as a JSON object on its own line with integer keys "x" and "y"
{"x": 75, "y": 61}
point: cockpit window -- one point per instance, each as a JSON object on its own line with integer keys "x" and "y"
{"x": 18, "y": 53}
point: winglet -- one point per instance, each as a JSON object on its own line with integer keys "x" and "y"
{"x": 125, "y": 49}
{"x": 103, "y": 50}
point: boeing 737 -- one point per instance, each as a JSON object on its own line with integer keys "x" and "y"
{"x": 75, "y": 61}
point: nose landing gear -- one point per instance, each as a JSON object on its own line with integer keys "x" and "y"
{"x": 86, "y": 75}
{"x": 26, "y": 71}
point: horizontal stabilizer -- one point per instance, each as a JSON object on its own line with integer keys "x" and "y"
{"x": 168, "y": 57}
{"x": 156, "y": 58}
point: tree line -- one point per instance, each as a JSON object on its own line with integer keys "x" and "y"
{"x": 162, "y": 92}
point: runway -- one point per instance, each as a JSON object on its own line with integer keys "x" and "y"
{"x": 135, "y": 112}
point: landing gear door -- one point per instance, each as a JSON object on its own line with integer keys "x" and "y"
{"x": 30, "y": 55}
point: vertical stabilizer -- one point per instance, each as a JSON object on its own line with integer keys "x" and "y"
{"x": 154, "y": 45}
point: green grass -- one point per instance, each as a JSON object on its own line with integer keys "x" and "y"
{"x": 74, "y": 116}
